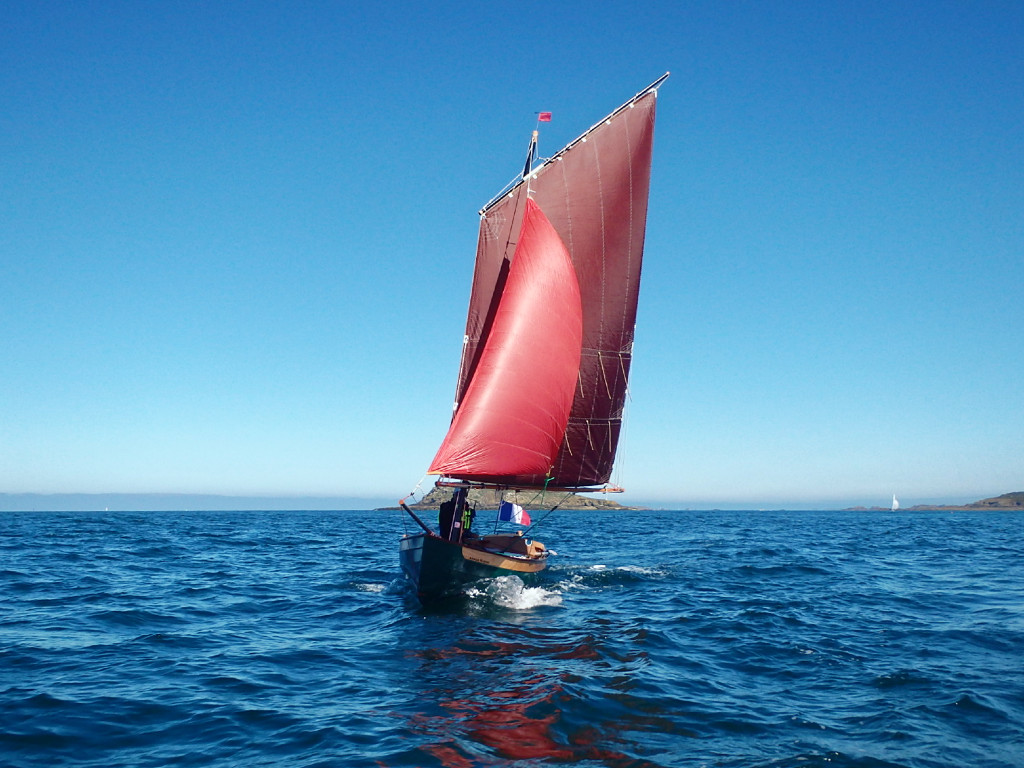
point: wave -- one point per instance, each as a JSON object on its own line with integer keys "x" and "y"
{"x": 512, "y": 593}
{"x": 570, "y": 578}
{"x": 739, "y": 640}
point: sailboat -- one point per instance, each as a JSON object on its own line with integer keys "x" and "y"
{"x": 547, "y": 349}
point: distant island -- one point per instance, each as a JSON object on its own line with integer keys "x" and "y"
{"x": 486, "y": 498}
{"x": 172, "y": 502}
{"x": 1008, "y": 501}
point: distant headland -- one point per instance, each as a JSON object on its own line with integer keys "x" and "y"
{"x": 1007, "y": 501}
{"x": 485, "y": 498}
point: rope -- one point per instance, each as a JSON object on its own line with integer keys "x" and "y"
{"x": 417, "y": 489}
{"x": 411, "y": 494}
{"x": 539, "y": 496}
{"x": 546, "y": 514}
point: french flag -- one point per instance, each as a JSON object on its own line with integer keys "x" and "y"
{"x": 513, "y": 513}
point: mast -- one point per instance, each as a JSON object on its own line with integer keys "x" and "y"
{"x": 531, "y": 154}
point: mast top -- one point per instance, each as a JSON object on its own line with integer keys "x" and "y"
{"x": 532, "y": 153}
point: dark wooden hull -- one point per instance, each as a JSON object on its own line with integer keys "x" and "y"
{"x": 439, "y": 568}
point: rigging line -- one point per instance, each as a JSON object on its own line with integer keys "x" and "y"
{"x": 539, "y": 495}
{"x": 462, "y": 367}
{"x": 499, "y": 497}
{"x": 622, "y": 363}
{"x": 401, "y": 502}
{"x": 414, "y": 491}
{"x": 623, "y": 442}
{"x": 547, "y": 514}
{"x": 650, "y": 89}
{"x": 511, "y": 225}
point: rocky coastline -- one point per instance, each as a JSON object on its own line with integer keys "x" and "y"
{"x": 1008, "y": 501}
{"x": 485, "y": 498}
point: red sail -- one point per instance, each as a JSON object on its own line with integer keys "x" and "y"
{"x": 594, "y": 192}
{"x": 512, "y": 419}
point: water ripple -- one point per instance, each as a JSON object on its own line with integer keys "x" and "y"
{"x": 686, "y": 639}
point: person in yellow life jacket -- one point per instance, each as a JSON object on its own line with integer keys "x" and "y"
{"x": 468, "y": 513}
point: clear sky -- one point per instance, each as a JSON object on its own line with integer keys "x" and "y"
{"x": 236, "y": 240}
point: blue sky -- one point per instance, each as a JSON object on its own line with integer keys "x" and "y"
{"x": 236, "y": 240}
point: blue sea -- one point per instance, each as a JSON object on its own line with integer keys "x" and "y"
{"x": 654, "y": 639}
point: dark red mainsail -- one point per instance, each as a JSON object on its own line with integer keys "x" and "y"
{"x": 513, "y": 416}
{"x": 594, "y": 193}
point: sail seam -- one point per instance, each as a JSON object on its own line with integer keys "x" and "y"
{"x": 629, "y": 240}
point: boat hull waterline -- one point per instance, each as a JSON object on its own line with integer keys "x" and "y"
{"x": 440, "y": 568}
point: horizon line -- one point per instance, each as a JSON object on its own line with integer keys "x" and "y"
{"x": 63, "y": 501}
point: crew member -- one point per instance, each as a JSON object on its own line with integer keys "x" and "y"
{"x": 446, "y": 518}
{"x": 452, "y": 516}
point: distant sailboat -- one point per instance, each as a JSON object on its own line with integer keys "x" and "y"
{"x": 895, "y": 503}
{"x": 547, "y": 349}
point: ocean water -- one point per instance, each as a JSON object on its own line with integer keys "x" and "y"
{"x": 654, "y": 639}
